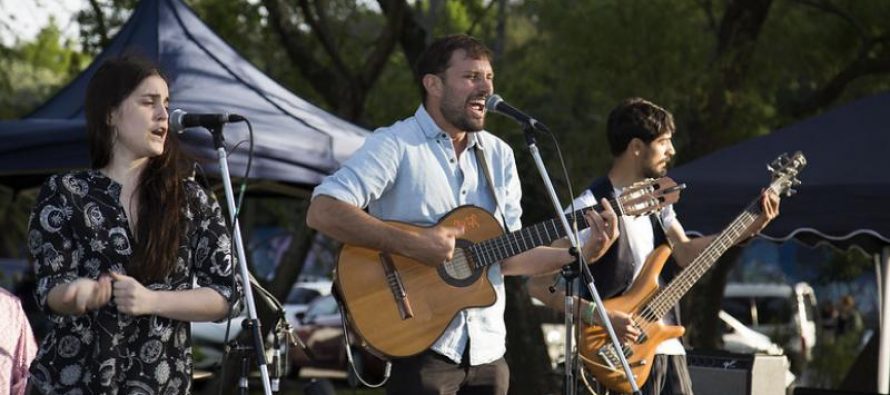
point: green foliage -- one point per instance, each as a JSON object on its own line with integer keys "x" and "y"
{"x": 832, "y": 358}
{"x": 34, "y": 70}
{"x": 844, "y": 266}
{"x": 97, "y": 28}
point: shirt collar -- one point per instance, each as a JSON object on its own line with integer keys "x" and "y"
{"x": 433, "y": 131}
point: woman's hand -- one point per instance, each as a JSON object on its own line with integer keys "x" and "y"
{"x": 132, "y": 297}
{"x": 84, "y": 295}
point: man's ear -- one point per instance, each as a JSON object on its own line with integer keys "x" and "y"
{"x": 433, "y": 85}
{"x": 636, "y": 146}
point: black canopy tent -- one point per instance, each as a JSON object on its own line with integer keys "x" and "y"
{"x": 296, "y": 143}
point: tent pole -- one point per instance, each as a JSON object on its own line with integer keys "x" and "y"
{"x": 884, "y": 350}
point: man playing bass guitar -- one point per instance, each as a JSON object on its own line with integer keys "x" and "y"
{"x": 639, "y": 134}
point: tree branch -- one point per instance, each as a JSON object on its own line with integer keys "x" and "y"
{"x": 322, "y": 79}
{"x": 479, "y": 17}
{"x": 101, "y": 26}
{"x": 413, "y": 36}
{"x": 377, "y": 59}
{"x": 865, "y": 64}
{"x": 708, "y": 7}
{"x": 321, "y": 32}
{"x": 830, "y": 8}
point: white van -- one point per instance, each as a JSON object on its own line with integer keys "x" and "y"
{"x": 787, "y": 314}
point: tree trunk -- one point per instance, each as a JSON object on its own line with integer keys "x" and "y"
{"x": 700, "y": 308}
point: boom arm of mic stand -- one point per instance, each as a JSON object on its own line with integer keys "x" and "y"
{"x": 219, "y": 141}
{"x": 283, "y": 325}
{"x": 528, "y": 129}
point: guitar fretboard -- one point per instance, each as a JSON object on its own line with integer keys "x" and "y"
{"x": 667, "y": 297}
{"x": 514, "y": 243}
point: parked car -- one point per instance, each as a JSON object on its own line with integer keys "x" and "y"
{"x": 208, "y": 338}
{"x": 321, "y": 329}
{"x": 299, "y": 297}
{"x": 787, "y": 314}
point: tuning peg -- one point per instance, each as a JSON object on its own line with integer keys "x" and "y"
{"x": 796, "y": 182}
{"x": 790, "y": 192}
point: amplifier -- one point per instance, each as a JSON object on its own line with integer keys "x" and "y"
{"x": 737, "y": 374}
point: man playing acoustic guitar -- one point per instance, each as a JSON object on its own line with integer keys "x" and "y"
{"x": 639, "y": 134}
{"x": 417, "y": 171}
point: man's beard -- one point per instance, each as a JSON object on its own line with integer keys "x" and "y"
{"x": 457, "y": 116}
{"x": 654, "y": 172}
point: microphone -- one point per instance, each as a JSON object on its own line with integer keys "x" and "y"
{"x": 181, "y": 120}
{"x": 495, "y": 103}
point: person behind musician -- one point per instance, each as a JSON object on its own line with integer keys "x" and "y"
{"x": 639, "y": 133}
{"x": 416, "y": 171}
{"x": 17, "y": 345}
{"x": 117, "y": 248}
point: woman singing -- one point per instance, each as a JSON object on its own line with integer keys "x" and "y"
{"x": 117, "y": 249}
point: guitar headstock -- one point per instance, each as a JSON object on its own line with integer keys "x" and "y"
{"x": 648, "y": 196}
{"x": 784, "y": 170}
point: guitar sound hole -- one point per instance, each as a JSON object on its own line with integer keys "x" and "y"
{"x": 458, "y": 267}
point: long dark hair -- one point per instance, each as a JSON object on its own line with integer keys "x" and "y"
{"x": 160, "y": 223}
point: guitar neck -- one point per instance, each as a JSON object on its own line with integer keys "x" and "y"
{"x": 668, "y": 296}
{"x": 515, "y": 243}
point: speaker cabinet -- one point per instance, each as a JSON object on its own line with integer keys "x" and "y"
{"x": 736, "y": 374}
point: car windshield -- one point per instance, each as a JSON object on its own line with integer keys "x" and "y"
{"x": 773, "y": 310}
{"x": 322, "y": 306}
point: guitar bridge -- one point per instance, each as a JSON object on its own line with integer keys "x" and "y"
{"x": 395, "y": 285}
{"x": 608, "y": 355}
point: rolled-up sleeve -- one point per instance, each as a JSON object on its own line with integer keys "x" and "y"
{"x": 51, "y": 244}
{"x": 367, "y": 174}
{"x": 214, "y": 262}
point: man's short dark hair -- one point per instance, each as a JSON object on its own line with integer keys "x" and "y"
{"x": 636, "y": 118}
{"x": 436, "y": 57}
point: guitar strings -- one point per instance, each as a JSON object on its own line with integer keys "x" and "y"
{"x": 653, "y": 312}
{"x": 516, "y": 240}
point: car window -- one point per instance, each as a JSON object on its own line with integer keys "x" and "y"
{"x": 325, "y": 305}
{"x": 738, "y": 307}
{"x": 773, "y": 310}
{"x": 300, "y": 295}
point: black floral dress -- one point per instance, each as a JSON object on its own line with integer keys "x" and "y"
{"x": 79, "y": 229}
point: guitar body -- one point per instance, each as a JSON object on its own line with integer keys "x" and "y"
{"x": 595, "y": 340}
{"x": 364, "y": 278}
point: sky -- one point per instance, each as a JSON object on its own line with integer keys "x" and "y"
{"x": 23, "y": 19}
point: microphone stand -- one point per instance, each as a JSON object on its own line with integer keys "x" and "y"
{"x": 570, "y": 274}
{"x": 251, "y": 322}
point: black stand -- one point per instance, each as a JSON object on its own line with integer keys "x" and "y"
{"x": 251, "y": 323}
{"x": 571, "y": 364}
{"x": 569, "y": 274}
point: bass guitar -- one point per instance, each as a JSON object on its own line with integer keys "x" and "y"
{"x": 648, "y": 304}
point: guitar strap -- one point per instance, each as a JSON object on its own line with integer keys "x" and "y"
{"x": 483, "y": 163}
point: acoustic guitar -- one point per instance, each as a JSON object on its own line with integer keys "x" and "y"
{"x": 648, "y": 303}
{"x": 400, "y": 306}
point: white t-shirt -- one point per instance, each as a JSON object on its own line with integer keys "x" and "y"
{"x": 636, "y": 240}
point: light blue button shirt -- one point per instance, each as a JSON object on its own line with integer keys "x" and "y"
{"x": 409, "y": 172}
